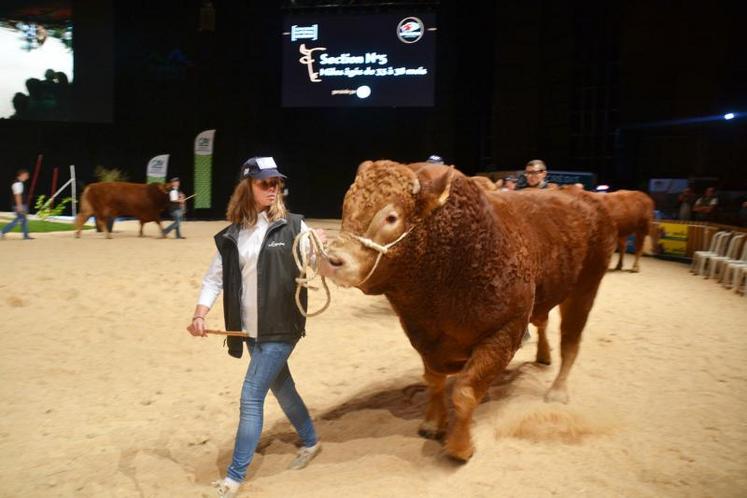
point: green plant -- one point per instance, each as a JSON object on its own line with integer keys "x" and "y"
{"x": 44, "y": 212}
{"x": 110, "y": 175}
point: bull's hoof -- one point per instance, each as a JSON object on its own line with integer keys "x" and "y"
{"x": 547, "y": 361}
{"x": 635, "y": 269}
{"x": 557, "y": 396}
{"x": 430, "y": 430}
{"x": 459, "y": 453}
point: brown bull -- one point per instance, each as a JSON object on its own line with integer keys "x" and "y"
{"x": 632, "y": 212}
{"x": 110, "y": 199}
{"x": 466, "y": 270}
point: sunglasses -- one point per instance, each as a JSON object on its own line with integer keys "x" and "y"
{"x": 268, "y": 184}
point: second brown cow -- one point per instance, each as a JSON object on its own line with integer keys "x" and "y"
{"x": 633, "y": 212}
{"x": 107, "y": 200}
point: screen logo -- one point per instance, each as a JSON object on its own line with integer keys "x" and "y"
{"x": 304, "y": 32}
{"x": 308, "y": 61}
{"x": 410, "y": 30}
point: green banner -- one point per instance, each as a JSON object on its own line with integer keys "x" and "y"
{"x": 203, "y": 181}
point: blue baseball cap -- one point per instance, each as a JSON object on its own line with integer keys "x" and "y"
{"x": 259, "y": 168}
{"x": 434, "y": 159}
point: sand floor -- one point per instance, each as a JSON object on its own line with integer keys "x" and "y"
{"x": 105, "y": 394}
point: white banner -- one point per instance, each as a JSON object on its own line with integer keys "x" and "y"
{"x": 204, "y": 143}
{"x": 157, "y": 168}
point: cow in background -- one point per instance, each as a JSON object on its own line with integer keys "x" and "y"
{"x": 111, "y": 199}
{"x": 633, "y": 212}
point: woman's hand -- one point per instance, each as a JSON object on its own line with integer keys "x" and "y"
{"x": 197, "y": 327}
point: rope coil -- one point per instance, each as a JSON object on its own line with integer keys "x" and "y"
{"x": 307, "y": 271}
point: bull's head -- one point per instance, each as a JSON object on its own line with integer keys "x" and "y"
{"x": 386, "y": 201}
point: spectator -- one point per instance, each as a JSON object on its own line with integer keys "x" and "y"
{"x": 434, "y": 159}
{"x": 509, "y": 183}
{"x": 685, "y": 203}
{"x": 19, "y": 207}
{"x": 535, "y": 173}
{"x": 176, "y": 208}
{"x": 705, "y": 207}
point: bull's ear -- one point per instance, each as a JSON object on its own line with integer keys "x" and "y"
{"x": 435, "y": 186}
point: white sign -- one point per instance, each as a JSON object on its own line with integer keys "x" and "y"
{"x": 204, "y": 143}
{"x": 157, "y": 168}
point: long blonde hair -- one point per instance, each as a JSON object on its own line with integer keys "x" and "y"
{"x": 242, "y": 209}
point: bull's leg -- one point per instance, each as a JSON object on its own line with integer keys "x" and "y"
{"x": 80, "y": 219}
{"x": 160, "y": 228}
{"x": 488, "y": 359}
{"x": 436, "y": 415}
{"x": 574, "y": 312}
{"x": 142, "y": 224}
{"x": 543, "y": 347}
{"x": 640, "y": 238}
{"x": 621, "y": 248}
{"x": 105, "y": 223}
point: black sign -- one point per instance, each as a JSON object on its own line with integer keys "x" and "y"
{"x": 359, "y": 61}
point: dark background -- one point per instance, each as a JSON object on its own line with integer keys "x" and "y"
{"x": 514, "y": 81}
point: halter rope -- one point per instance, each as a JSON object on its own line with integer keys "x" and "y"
{"x": 307, "y": 272}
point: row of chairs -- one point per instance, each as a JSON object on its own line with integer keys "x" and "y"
{"x": 725, "y": 260}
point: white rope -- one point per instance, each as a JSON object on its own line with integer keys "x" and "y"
{"x": 307, "y": 272}
{"x": 382, "y": 250}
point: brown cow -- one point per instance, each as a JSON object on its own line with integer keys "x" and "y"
{"x": 485, "y": 183}
{"x": 633, "y": 212}
{"x": 109, "y": 199}
{"x": 466, "y": 271}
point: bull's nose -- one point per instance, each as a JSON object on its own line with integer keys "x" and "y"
{"x": 334, "y": 261}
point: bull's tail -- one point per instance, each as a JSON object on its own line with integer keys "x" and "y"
{"x": 85, "y": 210}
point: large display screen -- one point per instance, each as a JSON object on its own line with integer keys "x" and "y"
{"x": 359, "y": 61}
{"x": 36, "y": 60}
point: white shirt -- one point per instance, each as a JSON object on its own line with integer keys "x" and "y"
{"x": 174, "y": 195}
{"x": 17, "y": 188}
{"x": 249, "y": 244}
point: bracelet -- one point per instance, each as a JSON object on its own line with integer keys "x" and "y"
{"x": 198, "y": 316}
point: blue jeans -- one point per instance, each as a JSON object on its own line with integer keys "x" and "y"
{"x": 178, "y": 214}
{"x": 268, "y": 369}
{"x": 20, "y": 217}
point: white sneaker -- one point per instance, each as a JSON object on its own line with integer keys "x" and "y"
{"x": 304, "y": 456}
{"x": 226, "y": 488}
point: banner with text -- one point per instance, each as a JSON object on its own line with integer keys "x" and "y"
{"x": 157, "y": 168}
{"x": 204, "y": 169}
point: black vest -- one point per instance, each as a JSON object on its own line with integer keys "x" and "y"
{"x": 278, "y": 317}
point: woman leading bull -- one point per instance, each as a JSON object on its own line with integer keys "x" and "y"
{"x": 255, "y": 270}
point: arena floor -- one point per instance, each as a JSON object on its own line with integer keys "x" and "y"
{"x": 105, "y": 394}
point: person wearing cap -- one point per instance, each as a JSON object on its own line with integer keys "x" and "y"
{"x": 434, "y": 159}
{"x": 256, "y": 272}
{"x": 176, "y": 209}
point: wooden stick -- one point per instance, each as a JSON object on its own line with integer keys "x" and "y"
{"x": 231, "y": 333}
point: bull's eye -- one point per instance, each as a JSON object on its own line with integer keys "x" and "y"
{"x": 392, "y": 218}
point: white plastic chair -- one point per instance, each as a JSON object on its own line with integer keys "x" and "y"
{"x": 717, "y": 262}
{"x": 718, "y": 244}
{"x": 730, "y": 272}
{"x": 740, "y": 275}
